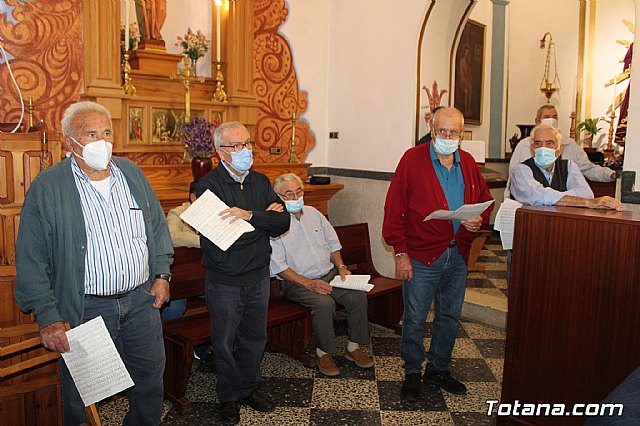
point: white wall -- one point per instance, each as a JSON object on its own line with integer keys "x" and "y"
{"x": 528, "y": 21}
{"x": 372, "y": 81}
{"x": 307, "y": 30}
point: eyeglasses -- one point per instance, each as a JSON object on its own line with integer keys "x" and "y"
{"x": 448, "y": 134}
{"x": 239, "y": 146}
{"x": 292, "y": 195}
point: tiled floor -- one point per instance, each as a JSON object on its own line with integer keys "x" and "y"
{"x": 363, "y": 397}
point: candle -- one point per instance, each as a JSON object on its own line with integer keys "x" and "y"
{"x": 126, "y": 25}
{"x": 613, "y": 104}
{"x": 218, "y": 5}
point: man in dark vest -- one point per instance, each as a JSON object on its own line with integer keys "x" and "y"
{"x": 545, "y": 179}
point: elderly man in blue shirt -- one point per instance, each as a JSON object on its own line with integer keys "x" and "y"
{"x": 307, "y": 258}
{"x": 546, "y": 179}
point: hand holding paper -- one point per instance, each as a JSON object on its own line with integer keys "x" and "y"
{"x": 353, "y": 282}
{"x": 465, "y": 212}
{"x": 204, "y": 216}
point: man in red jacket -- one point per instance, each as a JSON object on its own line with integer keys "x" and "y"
{"x": 431, "y": 256}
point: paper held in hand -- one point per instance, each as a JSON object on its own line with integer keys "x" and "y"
{"x": 203, "y": 216}
{"x": 465, "y": 212}
{"x": 353, "y": 282}
{"x": 94, "y": 363}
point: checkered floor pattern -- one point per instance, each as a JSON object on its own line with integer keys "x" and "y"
{"x": 363, "y": 397}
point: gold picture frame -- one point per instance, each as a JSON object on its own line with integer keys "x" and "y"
{"x": 469, "y": 76}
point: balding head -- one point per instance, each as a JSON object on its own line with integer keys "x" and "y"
{"x": 448, "y": 123}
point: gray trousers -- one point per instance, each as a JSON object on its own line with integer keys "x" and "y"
{"x": 323, "y": 312}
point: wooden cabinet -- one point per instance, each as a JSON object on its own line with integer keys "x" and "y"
{"x": 32, "y": 397}
{"x": 573, "y": 321}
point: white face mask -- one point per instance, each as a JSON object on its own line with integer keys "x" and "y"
{"x": 550, "y": 121}
{"x": 97, "y": 154}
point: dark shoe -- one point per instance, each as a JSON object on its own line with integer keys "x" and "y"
{"x": 258, "y": 403}
{"x": 443, "y": 380}
{"x": 410, "y": 390}
{"x": 230, "y": 412}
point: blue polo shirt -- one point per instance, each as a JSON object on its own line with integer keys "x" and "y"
{"x": 451, "y": 181}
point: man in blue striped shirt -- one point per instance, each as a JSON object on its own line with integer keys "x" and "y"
{"x": 93, "y": 241}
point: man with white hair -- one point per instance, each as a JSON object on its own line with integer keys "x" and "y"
{"x": 307, "y": 258}
{"x": 548, "y": 115}
{"x": 93, "y": 241}
{"x": 548, "y": 179}
{"x": 237, "y": 280}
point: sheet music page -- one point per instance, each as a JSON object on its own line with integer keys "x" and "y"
{"x": 203, "y": 216}
{"x": 465, "y": 212}
{"x": 353, "y": 282}
{"x": 505, "y": 222}
{"x": 94, "y": 363}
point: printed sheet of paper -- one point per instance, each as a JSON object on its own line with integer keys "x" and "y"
{"x": 94, "y": 362}
{"x": 465, "y": 212}
{"x": 353, "y": 282}
{"x": 203, "y": 216}
{"x": 505, "y": 221}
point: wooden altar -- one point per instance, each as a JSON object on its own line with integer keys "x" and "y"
{"x": 572, "y": 326}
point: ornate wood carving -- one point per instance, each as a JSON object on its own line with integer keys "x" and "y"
{"x": 42, "y": 38}
{"x": 276, "y": 86}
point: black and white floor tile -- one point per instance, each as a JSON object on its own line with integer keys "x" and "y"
{"x": 363, "y": 397}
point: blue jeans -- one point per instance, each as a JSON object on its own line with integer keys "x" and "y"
{"x": 445, "y": 280}
{"x": 173, "y": 309}
{"x": 136, "y": 329}
{"x": 238, "y": 335}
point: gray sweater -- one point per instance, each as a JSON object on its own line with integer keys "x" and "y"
{"x": 52, "y": 242}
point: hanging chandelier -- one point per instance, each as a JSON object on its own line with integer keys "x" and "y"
{"x": 549, "y": 85}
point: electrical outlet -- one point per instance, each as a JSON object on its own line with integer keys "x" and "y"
{"x": 274, "y": 150}
{"x": 333, "y": 135}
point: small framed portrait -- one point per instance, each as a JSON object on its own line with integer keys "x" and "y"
{"x": 166, "y": 123}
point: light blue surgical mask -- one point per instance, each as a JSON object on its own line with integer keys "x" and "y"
{"x": 446, "y": 146}
{"x": 544, "y": 157}
{"x": 242, "y": 161}
{"x": 294, "y": 206}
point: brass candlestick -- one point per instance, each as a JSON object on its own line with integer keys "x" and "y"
{"x": 611, "y": 126}
{"x": 129, "y": 88}
{"x": 293, "y": 158}
{"x": 187, "y": 77}
{"x": 219, "y": 95}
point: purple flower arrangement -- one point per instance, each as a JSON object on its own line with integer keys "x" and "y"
{"x": 197, "y": 135}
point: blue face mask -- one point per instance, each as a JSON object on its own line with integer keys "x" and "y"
{"x": 446, "y": 146}
{"x": 544, "y": 157}
{"x": 294, "y": 206}
{"x": 242, "y": 161}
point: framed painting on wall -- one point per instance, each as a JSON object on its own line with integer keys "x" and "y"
{"x": 136, "y": 124}
{"x": 166, "y": 123}
{"x": 469, "y": 76}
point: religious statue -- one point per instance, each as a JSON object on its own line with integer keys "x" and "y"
{"x": 151, "y": 15}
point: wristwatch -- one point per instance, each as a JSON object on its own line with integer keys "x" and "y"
{"x": 166, "y": 277}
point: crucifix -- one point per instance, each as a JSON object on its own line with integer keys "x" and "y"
{"x": 187, "y": 77}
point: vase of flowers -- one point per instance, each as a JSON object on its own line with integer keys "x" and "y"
{"x": 194, "y": 46}
{"x": 197, "y": 135}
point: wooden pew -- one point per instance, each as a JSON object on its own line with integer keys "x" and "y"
{"x": 385, "y": 299}
{"x": 288, "y": 323}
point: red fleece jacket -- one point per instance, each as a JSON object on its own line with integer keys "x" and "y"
{"x": 414, "y": 193}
